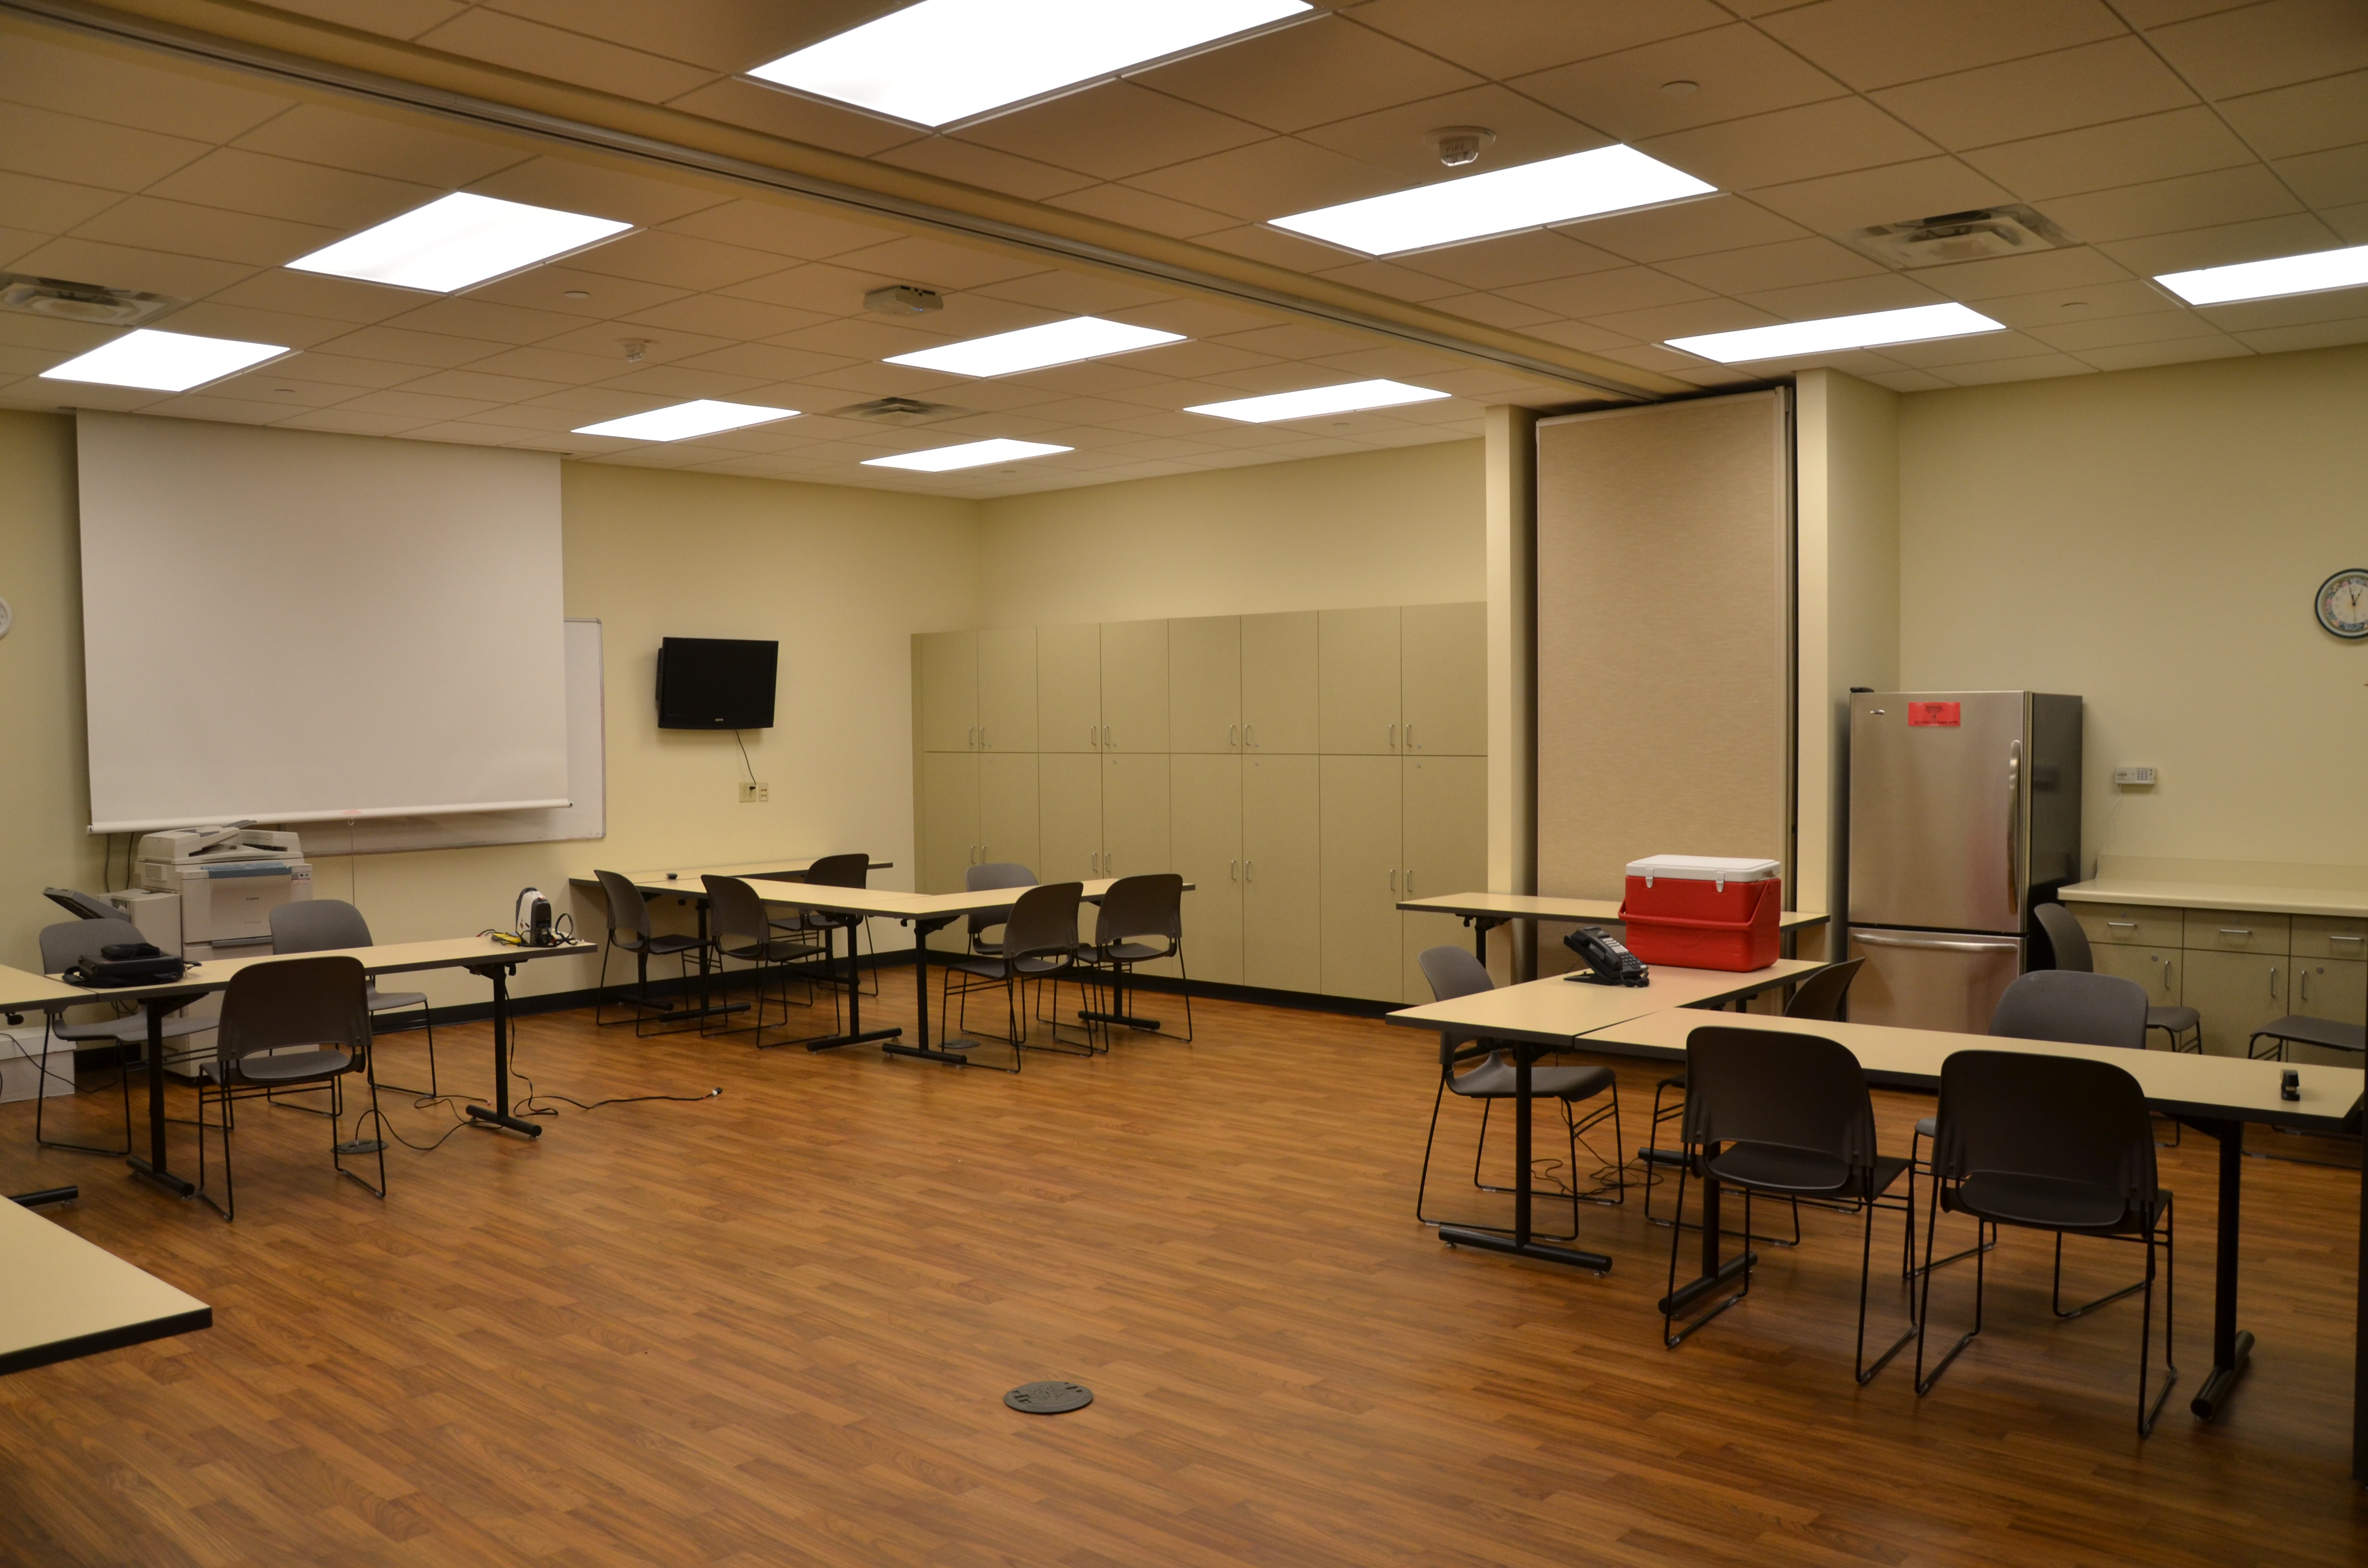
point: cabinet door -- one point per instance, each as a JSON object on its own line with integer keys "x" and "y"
{"x": 1069, "y": 817}
{"x": 1134, "y": 686}
{"x": 1008, "y": 787}
{"x": 1446, "y": 851}
{"x": 1134, "y": 816}
{"x": 2235, "y": 993}
{"x": 2329, "y": 988}
{"x": 1357, "y": 685}
{"x": 1444, "y": 680}
{"x": 1279, "y": 682}
{"x": 949, "y": 676}
{"x": 1206, "y": 792}
{"x": 2157, "y": 969}
{"x": 1007, "y": 689}
{"x": 1362, "y": 838}
{"x": 949, "y": 818}
{"x": 1280, "y": 901}
{"x": 1069, "y": 688}
{"x": 1204, "y": 684}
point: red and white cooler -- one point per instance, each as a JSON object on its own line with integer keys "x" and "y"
{"x": 1703, "y": 911}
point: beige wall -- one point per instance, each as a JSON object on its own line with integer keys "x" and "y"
{"x": 2152, "y": 539}
{"x": 1389, "y": 527}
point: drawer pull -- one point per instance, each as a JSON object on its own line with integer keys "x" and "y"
{"x": 2334, "y": 938}
{"x": 2125, "y": 925}
{"x": 2235, "y": 931}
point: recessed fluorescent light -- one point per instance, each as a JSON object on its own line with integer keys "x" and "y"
{"x": 1033, "y": 348}
{"x": 164, "y": 361}
{"x": 2312, "y": 273}
{"x": 1584, "y": 185}
{"x": 1344, "y": 399}
{"x": 1917, "y": 324}
{"x": 684, "y": 420}
{"x": 458, "y": 240}
{"x": 972, "y": 454}
{"x": 947, "y": 59}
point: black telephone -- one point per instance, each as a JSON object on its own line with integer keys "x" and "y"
{"x": 1609, "y": 962}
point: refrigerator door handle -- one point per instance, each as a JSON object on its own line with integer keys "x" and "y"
{"x": 1859, "y": 934}
{"x": 2013, "y": 824}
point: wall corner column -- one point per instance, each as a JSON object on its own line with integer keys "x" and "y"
{"x": 1512, "y": 465}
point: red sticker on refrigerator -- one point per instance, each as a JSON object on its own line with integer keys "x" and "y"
{"x": 1927, "y": 713}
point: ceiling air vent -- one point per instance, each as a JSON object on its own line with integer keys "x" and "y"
{"x": 899, "y": 411}
{"x": 1959, "y": 237}
{"x": 86, "y": 303}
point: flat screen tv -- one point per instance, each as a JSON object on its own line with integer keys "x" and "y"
{"x": 716, "y": 683}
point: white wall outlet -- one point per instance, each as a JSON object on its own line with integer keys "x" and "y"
{"x": 754, "y": 794}
{"x": 2135, "y": 778}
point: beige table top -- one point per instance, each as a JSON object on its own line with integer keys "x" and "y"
{"x": 1553, "y": 1012}
{"x": 21, "y": 991}
{"x": 31, "y": 992}
{"x": 2225, "y": 1087}
{"x": 786, "y": 868}
{"x": 1537, "y": 906}
{"x": 895, "y": 905}
{"x": 62, "y": 1296}
{"x": 2349, "y": 903}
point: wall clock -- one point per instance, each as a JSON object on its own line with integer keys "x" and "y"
{"x": 2343, "y": 602}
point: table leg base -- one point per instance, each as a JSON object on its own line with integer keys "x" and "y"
{"x": 832, "y": 1042}
{"x": 949, "y": 1053}
{"x": 1694, "y": 1289}
{"x": 179, "y": 1187}
{"x": 1148, "y": 1025}
{"x": 46, "y": 1196}
{"x": 1495, "y": 1241}
{"x": 2221, "y": 1382}
{"x": 486, "y": 1116}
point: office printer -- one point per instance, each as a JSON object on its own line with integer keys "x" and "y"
{"x": 216, "y": 846}
{"x": 229, "y": 879}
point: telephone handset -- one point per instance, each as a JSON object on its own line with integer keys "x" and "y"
{"x": 1609, "y": 962}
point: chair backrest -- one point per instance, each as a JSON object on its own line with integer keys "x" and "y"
{"x": 2076, "y": 1008}
{"x": 2064, "y": 935}
{"x": 629, "y": 911}
{"x": 1042, "y": 923}
{"x": 316, "y": 925}
{"x": 317, "y": 1001}
{"x": 1454, "y": 972}
{"x": 2063, "y": 1119}
{"x": 69, "y": 942}
{"x": 736, "y": 916}
{"x": 995, "y": 874}
{"x": 841, "y": 871}
{"x": 1791, "y": 1091}
{"x": 1151, "y": 904}
{"x": 1821, "y": 995}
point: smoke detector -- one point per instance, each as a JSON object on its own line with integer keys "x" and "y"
{"x": 899, "y": 411}
{"x": 1976, "y": 235}
{"x": 904, "y": 299}
{"x": 91, "y": 304}
{"x": 1458, "y": 145}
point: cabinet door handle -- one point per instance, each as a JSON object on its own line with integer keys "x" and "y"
{"x": 1249, "y": 871}
{"x": 1233, "y": 872}
{"x": 1394, "y": 881}
{"x": 1409, "y": 881}
{"x": 1106, "y": 740}
{"x": 2273, "y": 983}
{"x": 2306, "y": 984}
{"x": 1089, "y": 736}
{"x": 1410, "y": 745}
{"x": 982, "y": 737}
{"x": 1249, "y": 735}
{"x": 1394, "y": 737}
{"x": 1234, "y": 736}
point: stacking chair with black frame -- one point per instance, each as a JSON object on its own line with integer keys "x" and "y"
{"x": 851, "y": 871}
{"x": 296, "y": 1023}
{"x": 1456, "y": 971}
{"x": 320, "y": 925}
{"x": 979, "y": 878}
{"x": 631, "y": 931}
{"x": 740, "y": 930}
{"x": 1787, "y": 1116}
{"x": 2182, "y": 1028}
{"x": 2059, "y": 1143}
{"x": 65, "y": 945}
{"x": 1141, "y": 921}
{"x": 1040, "y": 943}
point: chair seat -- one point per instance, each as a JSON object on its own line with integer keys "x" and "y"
{"x": 293, "y": 1066}
{"x": 1123, "y": 952}
{"x": 2325, "y": 1032}
{"x": 2179, "y": 1020}
{"x": 1001, "y": 969}
{"x": 660, "y": 946}
{"x": 1928, "y": 1126}
{"x": 379, "y": 1001}
{"x": 1767, "y": 1167}
{"x": 776, "y": 950}
{"x": 1495, "y": 1079}
{"x": 132, "y": 1030}
{"x": 2047, "y": 1203}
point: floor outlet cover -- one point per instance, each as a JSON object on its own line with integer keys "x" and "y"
{"x": 1049, "y": 1399}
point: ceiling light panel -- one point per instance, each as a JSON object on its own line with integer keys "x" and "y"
{"x": 164, "y": 361}
{"x": 1345, "y": 398}
{"x": 1919, "y": 324}
{"x": 1557, "y": 190}
{"x": 684, "y": 420}
{"x": 946, "y": 61}
{"x": 2313, "y": 274}
{"x": 1034, "y": 347}
{"x": 971, "y": 454}
{"x": 458, "y": 241}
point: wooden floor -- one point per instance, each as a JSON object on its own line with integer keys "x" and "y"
{"x": 775, "y": 1328}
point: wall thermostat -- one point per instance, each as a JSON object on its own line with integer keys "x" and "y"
{"x": 2139, "y": 778}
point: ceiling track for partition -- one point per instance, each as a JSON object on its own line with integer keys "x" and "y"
{"x": 279, "y": 66}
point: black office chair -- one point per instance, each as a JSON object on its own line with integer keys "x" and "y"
{"x": 1789, "y": 1115}
{"x": 64, "y": 946}
{"x": 2059, "y": 1143}
{"x": 321, "y": 925}
{"x": 978, "y": 878}
{"x": 1455, "y": 972}
{"x": 631, "y": 931}
{"x": 2071, "y": 944}
{"x": 739, "y": 929}
{"x": 1141, "y": 920}
{"x": 296, "y": 1023}
{"x": 1040, "y": 943}
{"x": 2301, "y": 1029}
{"x": 851, "y": 871}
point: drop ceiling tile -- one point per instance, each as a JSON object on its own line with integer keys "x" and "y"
{"x": 59, "y": 339}
{"x": 155, "y": 223}
{"x": 598, "y": 191}
{"x": 1738, "y": 71}
{"x": 607, "y": 298}
{"x": 209, "y": 318}
{"x": 1686, "y": 228}
{"x": 1909, "y": 380}
{"x": 722, "y": 35}
{"x": 755, "y": 106}
{"x": 1879, "y": 44}
{"x": 1815, "y": 259}
{"x": 1657, "y": 323}
{"x": 48, "y": 206}
{"x": 1600, "y": 293}
{"x": 391, "y": 18}
{"x": 2161, "y": 206}
{"x": 2295, "y": 309}
{"x": 178, "y": 102}
{"x": 2223, "y": 244}
{"x": 2029, "y": 273}
{"x": 1505, "y": 38}
{"x": 866, "y": 337}
{"x": 240, "y": 181}
{"x": 1415, "y": 366}
{"x": 424, "y": 348}
{"x": 2331, "y": 112}
{"x": 873, "y": 380}
{"x": 2268, "y": 45}
{"x": 466, "y": 316}
{"x": 483, "y": 386}
{"x": 719, "y": 315}
{"x": 1267, "y": 179}
{"x": 1189, "y": 360}
{"x": 351, "y": 422}
{"x": 1118, "y": 377}
{"x": 1844, "y": 297}
{"x": 985, "y": 167}
{"x": 1977, "y": 349}
{"x": 2051, "y": 307}
{"x": 2161, "y": 13}
{"x": 1295, "y": 340}
{"x": 2127, "y": 152}
{"x": 1390, "y": 278}
{"x": 288, "y": 393}
{"x": 126, "y": 267}
{"x": 88, "y": 151}
{"x": 783, "y": 230}
{"x": 2337, "y": 177}
{"x": 1530, "y": 257}
{"x": 1493, "y": 310}
{"x": 2031, "y": 368}
{"x": 1141, "y": 210}
{"x": 1596, "y": 337}
{"x": 1892, "y": 194}
{"x": 345, "y": 371}
{"x": 1112, "y": 130}
{"x": 2156, "y": 326}
{"x": 680, "y": 261}
{"x": 1791, "y": 144}
{"x": 15, "y": 243}
{"x": 417, "y": 405}
{"x": 689, "y": 379}
{"x": 382, "y": 144}
{"x": 1196, "y": 318}
{"x": 2071, "y": 87}
{"x": 464, "y": 432}
{"x": 2137, "y": 356}
{"x": 1397, "y": 137}
{"x": 759, "y": 363}
{"x": 821, "y": 287}
{"x": 222, "y": 406}
{"x": 556, "y": 55}
{"x": 311, "y": 294}
{"x": 2319, "y": 335}
{"x": 607, "y": 340}
{"x": 1312, "y": 74}
{"x": 1277, "y": 248}
{"x": 590, "y": 406}
{"x": 2349, "y": 223}
{"x": 1066, "y": 293}
{"x": 942, "y": 264}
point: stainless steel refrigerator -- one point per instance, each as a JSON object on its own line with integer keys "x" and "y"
{"x": 1965, "y": 810}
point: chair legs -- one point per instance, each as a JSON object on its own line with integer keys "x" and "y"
{"x": 1908, "y": 1267}
{"x": 1575, "y": 1128}
{"x": 226, "y": 1097}
{"x": 41, "y": 1096}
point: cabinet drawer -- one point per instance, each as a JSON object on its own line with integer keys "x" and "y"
{"x": 2237, "y": 931}
{"x": 2325, "y": 937}
{"x": 2129, "y": 924}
